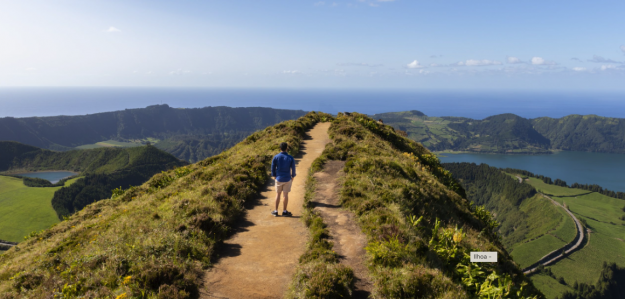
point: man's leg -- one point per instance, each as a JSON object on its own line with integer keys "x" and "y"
{"x": 286, "y": 200}
{"x": 278, "y": 199}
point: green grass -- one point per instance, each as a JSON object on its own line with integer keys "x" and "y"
{"x": 601, "y": 215}
{"x": 114, "y": 143}
{"x": 550, "y": 287}
{"x": 25, "y": 209}
{"x": 528, "y": 253}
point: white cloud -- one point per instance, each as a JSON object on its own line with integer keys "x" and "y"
{"x": 359, "y": 64}
{"x": 179, "y": 72}
{"x": 112, "y": 30}
{"x": 414, "y": 65}
{"x": 607, "y": 67}
{"x": 579, "y": 69}
{"x": 514, "y": 60}
{"x": 541, "y": 61}
{"x": 320, "y": 3}
{"x": 30, "y": 69}
{"x": 473, "y": 62}
{"x": 623, "y": 49}
{"x": 293, "y": 72}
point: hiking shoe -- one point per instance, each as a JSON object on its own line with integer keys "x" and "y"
{"x": 274, "y": 213}
{"x": 287, "y": 214}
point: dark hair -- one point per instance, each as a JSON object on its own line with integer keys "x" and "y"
{"x": 283, "y": 146}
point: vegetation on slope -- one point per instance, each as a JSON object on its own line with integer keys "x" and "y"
{"x": 610, "y": 285}
{"x": 509, "y": 133}
{"x": 419, "y": 227}
{"x": 153, "y": 240}
{"x": 504, "y": 133}
{"x": 589, "y": 133}
{"x": 207, "y": 130}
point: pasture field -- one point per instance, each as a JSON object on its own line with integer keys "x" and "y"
{"x": 549, "y": 286}
{"x": 114, "y": 143}
{"x": 25, "y": 209}
{"x": 601, "y": 215}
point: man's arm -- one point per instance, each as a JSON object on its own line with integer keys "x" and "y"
{"x": 273, "y": 167}
{"x": 293, "y": 168}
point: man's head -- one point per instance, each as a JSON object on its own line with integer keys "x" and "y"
{"x": 284, "y": 146}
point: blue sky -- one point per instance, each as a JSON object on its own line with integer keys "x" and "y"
{"x": 401, "y": 44}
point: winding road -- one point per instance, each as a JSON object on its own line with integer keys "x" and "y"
{"x": 553, "y": 256}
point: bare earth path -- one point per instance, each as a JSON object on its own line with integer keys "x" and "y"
{"x": 349, "y": 240}
{"x": 260, "y": 259}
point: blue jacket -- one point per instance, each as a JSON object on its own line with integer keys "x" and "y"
{"x": 281, "y": 167}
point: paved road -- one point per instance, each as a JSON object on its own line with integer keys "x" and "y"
{"x": 553, "y": 257}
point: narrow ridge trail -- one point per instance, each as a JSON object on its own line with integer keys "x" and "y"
{"x": 259, "y": 260}
{"x": 349, "y": 240}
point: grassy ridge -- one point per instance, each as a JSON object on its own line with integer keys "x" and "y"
{"x": 153, "y": 240}
{"x": 25, "y": 209}
{"x": 389, "y": 179}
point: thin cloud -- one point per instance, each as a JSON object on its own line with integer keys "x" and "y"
{"x": 320, "y": 3}
{"x": 514, "y": 60}
{"x": 112, "y": 30}
{"x": 30, "y": 69}
{"x": 600, "y": 59}
{"x": 473, "y": 62}
{"x": 359, "y": 64}
{"x": 608, "y": 67}
{"x": 623, "y": 49}
{"x": 541, "y": 61}
{"x": 579, "y": 69}
{"x": 291, "y": 72}
{"x": 576, "y": 59}
{"x": 414, "y": 65}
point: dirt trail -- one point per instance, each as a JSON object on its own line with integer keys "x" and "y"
{"x": 260, "y": 259}
{"x": 349, "y": 241}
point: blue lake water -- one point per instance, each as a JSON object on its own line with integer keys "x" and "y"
{"x": 52, "y": 176}
{"x": 48, "y": 101}
{"x": 605, "y": 170}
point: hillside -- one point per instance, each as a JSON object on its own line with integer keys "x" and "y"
{"x": 509, "y": 133}
{"x": 590, "y": 133}
{"x": 207, "y": 130}
{"x": 155, "y": 240}
{"x": 103, "y": 170}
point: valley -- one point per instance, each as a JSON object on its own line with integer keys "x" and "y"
{"x": 25, "y": 209}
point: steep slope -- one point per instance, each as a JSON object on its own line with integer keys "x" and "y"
{"x": 583, "y": 133}
{"x": 162, "y": 122}
{"x": 153, "y": 240}
{"x": 419, "y": 227}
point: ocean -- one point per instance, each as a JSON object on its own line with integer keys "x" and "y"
{"x": 49, "y": 101}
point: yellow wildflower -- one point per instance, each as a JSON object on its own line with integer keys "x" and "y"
{"x": 457, "y": 237}
{"x": 127, "y": 279}
{"x": 122, "y": 296}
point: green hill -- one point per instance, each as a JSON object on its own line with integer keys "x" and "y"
{"x": 155, "y": 240}
{"x": 220, "y": 127}
{"x": 583, "y": 133}
{"x": 103, "y": 170}
{"x": 509, "y": 133}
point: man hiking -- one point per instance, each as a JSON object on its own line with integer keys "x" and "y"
{"x": 283, "y": 169}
